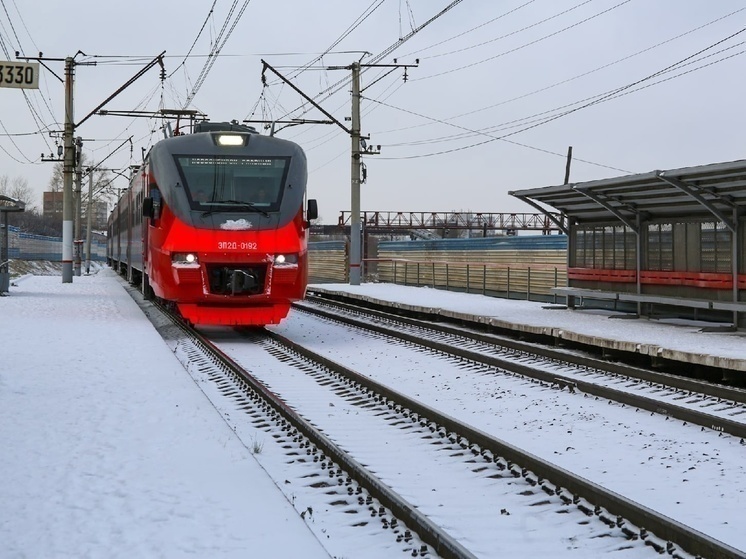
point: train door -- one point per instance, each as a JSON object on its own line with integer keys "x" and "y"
{"x": 128, "y": 237}
{"x": 144, "y": 228}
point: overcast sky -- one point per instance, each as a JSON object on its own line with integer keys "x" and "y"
{"x": 493, "y": 80}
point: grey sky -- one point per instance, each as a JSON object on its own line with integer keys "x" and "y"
{"x": 504, "y": 76}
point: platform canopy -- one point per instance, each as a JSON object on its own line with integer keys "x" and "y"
{"x": 8, "y": 204}
{"x": 717, "y": 190}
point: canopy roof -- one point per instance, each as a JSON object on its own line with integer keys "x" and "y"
{"x": 706, "y": 190}
{"x": 8, "y": 204}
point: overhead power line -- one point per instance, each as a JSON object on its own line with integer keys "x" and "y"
{"x": 219, "y": 44}
{"x": 525, "y": 45}
{"x": 328, "y": 92}
{"x": 618, "y": 92}
{"x": 199, "y": 34}
{"x": 354, "y": 25}
{"x": 516, "y": 32}
{"x": 577, "y": 76}
{"x": 494, "y": 19}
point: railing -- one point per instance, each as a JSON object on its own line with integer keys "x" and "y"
{"x": 29, "y": 246}
{"x": 453, "y": 220}
{"x": 533, "y": 282}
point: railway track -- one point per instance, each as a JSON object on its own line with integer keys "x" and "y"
{"x": 712, "y": 406}
{"x": 688, "y": 463}
{"x": 303, "y": 400}
{"x": 341, "y": 502}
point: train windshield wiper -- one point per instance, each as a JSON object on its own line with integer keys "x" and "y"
{"x": 249, "y": 205}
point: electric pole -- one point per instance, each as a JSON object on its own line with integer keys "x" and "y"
{"x": 67, "y": 174}
{"x": 356, "y": 152}
{"x": 355, "y": 229}
{"x": 89, "y": 222}
{"x": 78, "y": 204}
{"x": 68, "y": 156}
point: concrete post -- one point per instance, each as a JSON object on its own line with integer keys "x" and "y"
{"x": 355, "y": 240}
{"x": 67, "y": 175}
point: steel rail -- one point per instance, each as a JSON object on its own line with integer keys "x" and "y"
{"x": 443, "y": 544}
{"x": 171, "y": 327}
{"x": 696, "y": 417}
{"x": 561, "y": 480}
{"x": 437, "y": 322}
{"x": 429, "y": 532}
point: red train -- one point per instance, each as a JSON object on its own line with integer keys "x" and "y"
{"x": 213, "y": 223}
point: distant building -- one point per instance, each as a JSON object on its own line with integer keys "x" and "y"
{"x": 52, "y": 202}
{"x": 99, "y": 216}
{"x": 52, "y": 209}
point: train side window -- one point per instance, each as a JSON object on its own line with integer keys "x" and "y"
{"x": 151, "y": 206}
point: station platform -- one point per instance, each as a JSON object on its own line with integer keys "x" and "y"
{"x": 110, "y": 448}
{"x": 686, "y": 342}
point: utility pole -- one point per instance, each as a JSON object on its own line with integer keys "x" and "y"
{"x": 355, "y": 229}
{"x": 67, "y": 174}
{"x": 567, "y": 165}
{"x": 356, "y": 152}
{"x": 68, "y": 156}
{"x": 89, "y": 222}
{"x": 78, "y": 204}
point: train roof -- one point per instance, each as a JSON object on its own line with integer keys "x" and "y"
{"x": 203, "y": 141}
{"x": 223, "y": 127}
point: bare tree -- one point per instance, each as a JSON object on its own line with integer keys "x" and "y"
{"x": 20, "y": 190}
{"x": 56, "y": 180}
{"x": 101, "y": 179}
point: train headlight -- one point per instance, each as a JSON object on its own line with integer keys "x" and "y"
{"x": 286, "y": 260}
{"x": 184, "y": 258}
{"x": 230, "y": 140}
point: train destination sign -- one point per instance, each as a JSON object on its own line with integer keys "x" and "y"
{"x": 19, "y": 75}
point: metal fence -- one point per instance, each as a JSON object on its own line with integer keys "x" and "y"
{"x": 530, "y": 282}
{"x": 525, "y": 267}
{"x": 328, "y": 262}
{"x": 28, "y": 246}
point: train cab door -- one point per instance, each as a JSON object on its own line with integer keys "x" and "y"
{"x": 144, "y": 230}
{"x": 128, "y": 238}
{"x": 151, "y": 212}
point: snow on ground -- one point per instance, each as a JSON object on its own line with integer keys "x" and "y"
{"x": 689, "y": 474}
{"x": 110, "y": 450}
{"x": 677, "y": 336}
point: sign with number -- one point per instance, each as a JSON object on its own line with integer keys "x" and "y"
{"x": 21, "y": 75}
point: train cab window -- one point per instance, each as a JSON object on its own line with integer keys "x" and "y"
{"x": 201, "y": 196}
{"x": 262, "y": 191}
{"x": 224, "y": 183}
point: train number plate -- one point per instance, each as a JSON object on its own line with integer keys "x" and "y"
{"x": 236, "y": 245}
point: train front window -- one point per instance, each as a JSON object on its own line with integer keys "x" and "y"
{"x": 233, "y": 183}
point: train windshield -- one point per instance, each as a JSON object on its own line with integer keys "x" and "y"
{"x": 233, "y": 183}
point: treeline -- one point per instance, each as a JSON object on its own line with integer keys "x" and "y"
{"x": 34, "y": 222}
{"x": 32, "y": 219}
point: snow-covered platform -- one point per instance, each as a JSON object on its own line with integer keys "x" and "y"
{"x": 110, "y": 449}
{"x": 685, "y": 342}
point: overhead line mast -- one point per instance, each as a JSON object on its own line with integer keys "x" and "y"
{"x": 69, "y": 155}
{"x": 358, "y": 148}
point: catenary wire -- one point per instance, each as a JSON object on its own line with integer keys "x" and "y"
{"x": 525, "y": 45}
{"x": 505, "y": 14}
{"x": 343, "y": 82}
{"x": 512, "y": 33}
{"x": 199, "y": 34}
{"x": 578, "y": 76}
{"x": 605, "y": 97}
